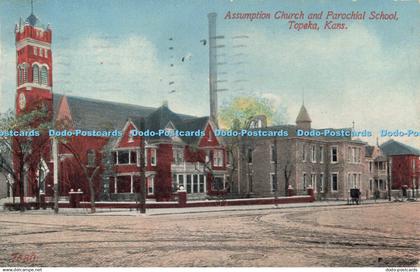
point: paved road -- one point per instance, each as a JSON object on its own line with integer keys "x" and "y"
{"x": 367, "y": 235}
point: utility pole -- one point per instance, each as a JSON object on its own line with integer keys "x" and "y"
{"x": 388, "y": 177}
{"x": 55, "y": 172}
{"x": 142, "y": 193}
{"x": 276, "y": 192}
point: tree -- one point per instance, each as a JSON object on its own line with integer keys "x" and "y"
{"x": 236, "y": 113}
{"x": 90, "y": 167}
{"x": 22, "y": 149}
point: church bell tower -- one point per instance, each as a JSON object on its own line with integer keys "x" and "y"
{"x": 33, "y": 65}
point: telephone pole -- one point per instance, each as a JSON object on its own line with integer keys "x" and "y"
{"x": 142, "y": 193}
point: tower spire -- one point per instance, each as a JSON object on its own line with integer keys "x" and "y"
{"x": 32, "y": 6}
{"x": 303, "y": 96}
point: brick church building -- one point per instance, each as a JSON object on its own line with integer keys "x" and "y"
{"x": 197, "y": 163}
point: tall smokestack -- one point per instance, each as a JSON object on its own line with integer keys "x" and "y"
{"x": 213, "y": 66}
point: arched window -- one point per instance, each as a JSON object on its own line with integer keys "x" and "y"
{"x": 20, "y": 75}
{"x": 25, "y": 73}
{"x": 35, "y": 74}
{"x": 44, "y": 75}
{"x": 91, "y": 157}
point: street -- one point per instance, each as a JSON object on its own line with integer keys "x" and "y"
{"x": 385, "y": 234}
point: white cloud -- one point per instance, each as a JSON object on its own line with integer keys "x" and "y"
{"x": 348, "y": 75}
{"x": 125, "y": 70}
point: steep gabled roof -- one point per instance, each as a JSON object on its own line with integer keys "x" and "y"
{"x": 193, "y": 125}
{"x": 161, "y": 117}
{"x": 393, "y": 148}
{"x": 96, "y": 114}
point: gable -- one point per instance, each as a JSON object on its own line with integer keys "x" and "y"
{"x": 124, "y": 141}
{"x": 209, "y": 138}
{"x": 63, "y": 116}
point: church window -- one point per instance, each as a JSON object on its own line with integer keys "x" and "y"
{"x": 35, "y": 51}
{"x": 25, "y": 73}
{"x": 44, "y": 75}
{"x": 20, "y": 75}
{"x": 35, "y": 74}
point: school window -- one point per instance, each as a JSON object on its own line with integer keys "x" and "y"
{"x": 334, "y": 182}
{"x": 218, "y": 158}
{"x": 304, "y": 181}
{"x": 313, "y": 181}
{"x": 303, "y": 153}
{"x": 354, "y": 181}
{"x": 249, "y": 155}
{"x": 202, "y": 184}
{"x": 250, "y": 183}
{"x": 189, "y": 187}
{"x": 181, "y": 181}
{"x": 313, "y": 154}
{"x": 195, "y": 184}
{"x": 123, "y": 157}
{"x": 273, "y": 153}
{"x": 273, "y": 181}
{"x": 321, "y": 179}
{"x": 321, "y": 154}
{"x": 153, "y": 158}
{"x": 207, "y": 158}
{"x": 334, "y": 155}
{"x": 150, "y": 185}
{"x": 178, "y": 155}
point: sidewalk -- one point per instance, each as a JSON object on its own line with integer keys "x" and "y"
{"x": 174, "y": 211}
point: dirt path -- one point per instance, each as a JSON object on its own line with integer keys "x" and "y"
{"x": 368, "y": 235}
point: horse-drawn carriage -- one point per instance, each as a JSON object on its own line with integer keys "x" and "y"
{"x": 355, "y": 195}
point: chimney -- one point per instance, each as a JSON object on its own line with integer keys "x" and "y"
{"x": 213, "y": 67}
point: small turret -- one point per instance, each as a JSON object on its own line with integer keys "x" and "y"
{"x": 303, "y": 121}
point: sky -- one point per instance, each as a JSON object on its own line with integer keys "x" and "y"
{"x": 119, "y": 51}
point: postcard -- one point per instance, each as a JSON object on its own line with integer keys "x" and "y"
{"x": 222, "y": 134}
